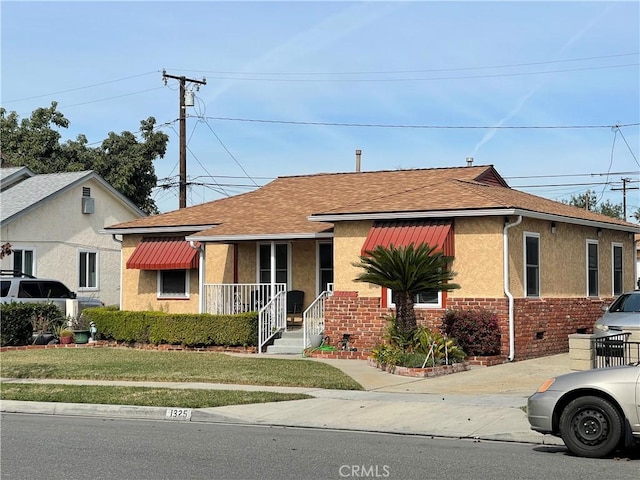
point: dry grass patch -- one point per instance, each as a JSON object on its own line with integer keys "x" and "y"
{"x": 172, "y": 366}
{"x": 141, "y": 396}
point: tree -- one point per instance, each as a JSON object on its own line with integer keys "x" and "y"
{"x": 6, "y": 250}
{"x": 407, "y": 271}
{"x": 122, "y": 160}
{"x": 636, "y": 214}
{"x": 589, "y": 201}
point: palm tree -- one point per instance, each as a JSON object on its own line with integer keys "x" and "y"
{"x": 407, "y": 271}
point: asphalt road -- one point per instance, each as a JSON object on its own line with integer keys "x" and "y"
{"x": 58, "y": 447}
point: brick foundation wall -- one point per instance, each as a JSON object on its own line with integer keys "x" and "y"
{"x": 542, "y": 325}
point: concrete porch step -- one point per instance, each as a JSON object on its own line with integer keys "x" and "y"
{"x": 290, "y": 343}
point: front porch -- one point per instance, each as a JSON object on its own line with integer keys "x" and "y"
{"x": 277, "y": 313}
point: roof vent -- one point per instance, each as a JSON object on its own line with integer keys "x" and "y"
{"x": 358, "y": 156}
{"x": 469, "y": 161}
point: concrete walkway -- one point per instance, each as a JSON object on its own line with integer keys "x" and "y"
{"x": 482, "y": 403}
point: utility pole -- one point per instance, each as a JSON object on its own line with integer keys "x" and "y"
{"x": 183, "y": 130}
{"x": 624, "y": 194}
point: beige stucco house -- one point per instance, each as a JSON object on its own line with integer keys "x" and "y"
{"x": 544, "y": 267}
{"x": 52, "y": 222}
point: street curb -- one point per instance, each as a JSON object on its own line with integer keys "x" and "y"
{"x": 205, "y": 416}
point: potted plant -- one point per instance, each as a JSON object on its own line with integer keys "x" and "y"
{"x": 65, "y": 335}
{"x": 44, "y": 320}
{"x": 42, "y": 333}
{"x": 80, "y": 329}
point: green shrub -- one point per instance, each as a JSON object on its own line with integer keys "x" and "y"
{"x": 175, "y": 329}
{"x": 387, "y": 356}
{"x": 20, "y": 320}
{"x": 436, "y": 348}
{"x": 122, "y": 326}
{"x": 412, "y": 359}
{"x": 411, "y": 349}
{"x": 477, "y": 331}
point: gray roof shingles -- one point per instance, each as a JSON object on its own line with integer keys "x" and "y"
{"x": 28, "y": 193}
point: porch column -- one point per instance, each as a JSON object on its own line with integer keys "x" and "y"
{"x": 201, "y": 279}
{"x": 272, "y": 276}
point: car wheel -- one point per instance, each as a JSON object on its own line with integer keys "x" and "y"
{"x": 591, "y": 427}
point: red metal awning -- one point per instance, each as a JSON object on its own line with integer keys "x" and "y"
{"x": 435, "y": 233}
{"x": 164, "y": 253}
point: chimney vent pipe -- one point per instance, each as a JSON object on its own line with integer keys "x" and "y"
{"x": 469, "y": 161}
{"x": 358, "y": 155}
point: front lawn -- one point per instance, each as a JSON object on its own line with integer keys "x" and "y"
{"x": 141, "y": 396}
{"x": 145, "y": 365}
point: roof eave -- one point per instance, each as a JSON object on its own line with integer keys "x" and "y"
{"x": 341, "y": 217}
{"x": 260, "y": 237}
{"x": 153, "y": 230}
{"x": 498, "y": 212}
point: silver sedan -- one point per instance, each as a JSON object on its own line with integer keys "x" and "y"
{"x": 594, "y": 411}
{"x": 623, "y": 315}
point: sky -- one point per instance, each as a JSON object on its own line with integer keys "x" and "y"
{"x": 546, "y": 92}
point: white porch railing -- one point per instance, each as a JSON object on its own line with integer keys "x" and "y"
{"x": 272, "y": 319}
{"x": 313, "y": 321}
{"x": 230, "y": 298}
{"x": 270, "y": 301}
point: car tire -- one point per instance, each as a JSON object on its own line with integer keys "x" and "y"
{"x": 591, "y": 427}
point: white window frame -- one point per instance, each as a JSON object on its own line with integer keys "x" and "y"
{"x": 174, "y": 296}
{"x": 97, "y": 255}
{"x": 415, "y": 305}
{"x": 596, "y": 243}
{"x": 524, "y": 262}
{"x": 288, "y": 245}
{"x": 24, "y": 248}
{"x": 615, "y": 245}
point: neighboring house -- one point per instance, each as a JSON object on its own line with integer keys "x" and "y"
{"x": 53, "y": 222}
{"x": 544, "y": 267}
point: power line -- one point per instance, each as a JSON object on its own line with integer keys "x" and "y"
{"x": 419, "y": 79}
{"x": 229, "y": 152}
{"x": 218, "y": 72}
{"x": 75, "y": 89}
{"x": 574, "y": 175}
{"x": 565, "y": 185}
{"x": 628, "y": 146}
{"x": 380, "y": 125}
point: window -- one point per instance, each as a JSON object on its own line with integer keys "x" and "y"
{"x": 282, "y": 263}
{"x": 43, "y": 289}
{"x": 532, "y": 264}
{"x": 24, "y": 260}
{"x": 88, "y": 271}
{"x": 427, "y": 299}
{"x": 325, "y": 265}
{"x": 173, "y": 283}
{"x": 616, "y": 269}
{"x": 592, "y": 268}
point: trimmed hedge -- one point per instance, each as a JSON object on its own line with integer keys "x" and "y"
{"x": 18, "y": 320}
{"x": 175, "y": 329}
{"x": 476, "y": 331}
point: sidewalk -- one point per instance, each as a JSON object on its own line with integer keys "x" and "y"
{"x": 482, "y": 403}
